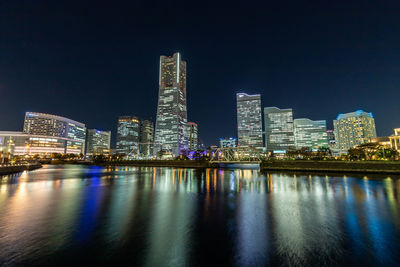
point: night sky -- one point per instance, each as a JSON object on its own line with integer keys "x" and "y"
{"x": 93, "y": 61}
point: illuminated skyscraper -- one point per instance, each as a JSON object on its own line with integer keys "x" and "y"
{"x": 330, "y": 134}
{"x": 249, "y": 121}
{"x": 171, "y": 122}
{"x": 353, "y": 129}
{"x": 310, "y": 134}
{"x": 279, "y": 133}
{"x": 227, "y": 142}
{"x": 193, "y": 136}
{"x": 56, "y": 126}
{"x": 98, "y": 142}
{"x": 146, "y": 138}
{"x": 128, "y": 136}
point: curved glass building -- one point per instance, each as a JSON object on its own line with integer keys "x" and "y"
{"x": 42, "y": 124}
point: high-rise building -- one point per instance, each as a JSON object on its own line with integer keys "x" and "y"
{"x": 193, "y": 139}
{"x": 279, "y": 132}
{"x": 330, "y": 134}
{"x": 98, "y": 142}
{"x": 171, "y": 122}
{"x": 55, "y": 126}
{"x": 227, "y": 142}
{"x": 395, "y": 139}
{"x": 128, "y": 136}
{"x": 354, "y": 128}
{"x": 249, "y": 121}
{"x": 146, "y": 138}
{"x": 310, "y": 134}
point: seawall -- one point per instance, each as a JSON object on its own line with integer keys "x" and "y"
{"x": 159, "y": 163}
{"x": 386, "y": 167}
{"x": 182, "y": 164}
{"x": 9, "y": 169}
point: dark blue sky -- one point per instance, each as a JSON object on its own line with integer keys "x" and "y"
{"x": 93, "y": 61}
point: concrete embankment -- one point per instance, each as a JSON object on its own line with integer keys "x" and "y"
{"x": 160, "y": 163}
{"x": 183, "y": 164}
{"x": 332, "y": 166}
{"x": 9, "y": 169}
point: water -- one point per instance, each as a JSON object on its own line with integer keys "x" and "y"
{"x": 65, "y": 215}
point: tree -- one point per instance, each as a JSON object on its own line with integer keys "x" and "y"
{"x": 100, "y": 158}
{"x": 372, "y": 151}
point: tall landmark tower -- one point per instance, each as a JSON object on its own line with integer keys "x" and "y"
{"x": 171, "y": 123}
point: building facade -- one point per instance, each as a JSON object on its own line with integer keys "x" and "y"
{"x": 55, "y": 126}
{"x": 330, "y": 134}
{"x": 279, "y": 130}
{"x": 98, "y": 142}
{"x": 382, "y": 140}
{"x": 128, "y": 136}
{"x": 354, "y": 128}
{"x": 146, "y": 138}
{"x": 310, "y": 134}
{"x": 227, "y": 142}
{"x": 395, "y": 139}
{"x": 249, "y": 121}
{"x": 193, "y": 140}
{"x": 20, "y": 143}
{"x": 171, "y": 123}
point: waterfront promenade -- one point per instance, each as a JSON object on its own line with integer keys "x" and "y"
{"x": 183, "y": 164}
{"x": 19, "y": 167}
{"x": 388, "y": 167}
{"x": 384, "y": 167}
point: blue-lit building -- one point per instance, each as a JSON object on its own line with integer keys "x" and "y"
{"x": 42, "y": 124}
{"x": 354, "y": 128}
{"x": 227, "y": 142}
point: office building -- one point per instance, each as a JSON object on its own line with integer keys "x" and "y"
{"x": 330, "y": 134}
{"x": 128, "y": 136}
{"x": 249, "y": 121}
{"x": 98, "y": 142}
{"x": 310, "y": 134}
{"x": 395, "y": 139}
{"x": 227, "y": 142}
{"x": 20, "y": 143}
{"x": 171, "y": 123}
{"x": 55, "y": 126}
{"x": 279, "y": 131}
{"x": 354, "y": 128}
{"x": 146, "y": 138}
{"x": 382, "y": 140}
{"x": 193, "y": 139}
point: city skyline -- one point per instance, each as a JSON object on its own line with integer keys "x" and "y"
{"x": 66, "y": 64}
{"x": 187, "y": 133}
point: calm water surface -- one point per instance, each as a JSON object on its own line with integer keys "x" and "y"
{"x": 70, "y": 215}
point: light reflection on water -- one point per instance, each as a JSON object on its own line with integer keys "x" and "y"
{"x": 62, "y": 215}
